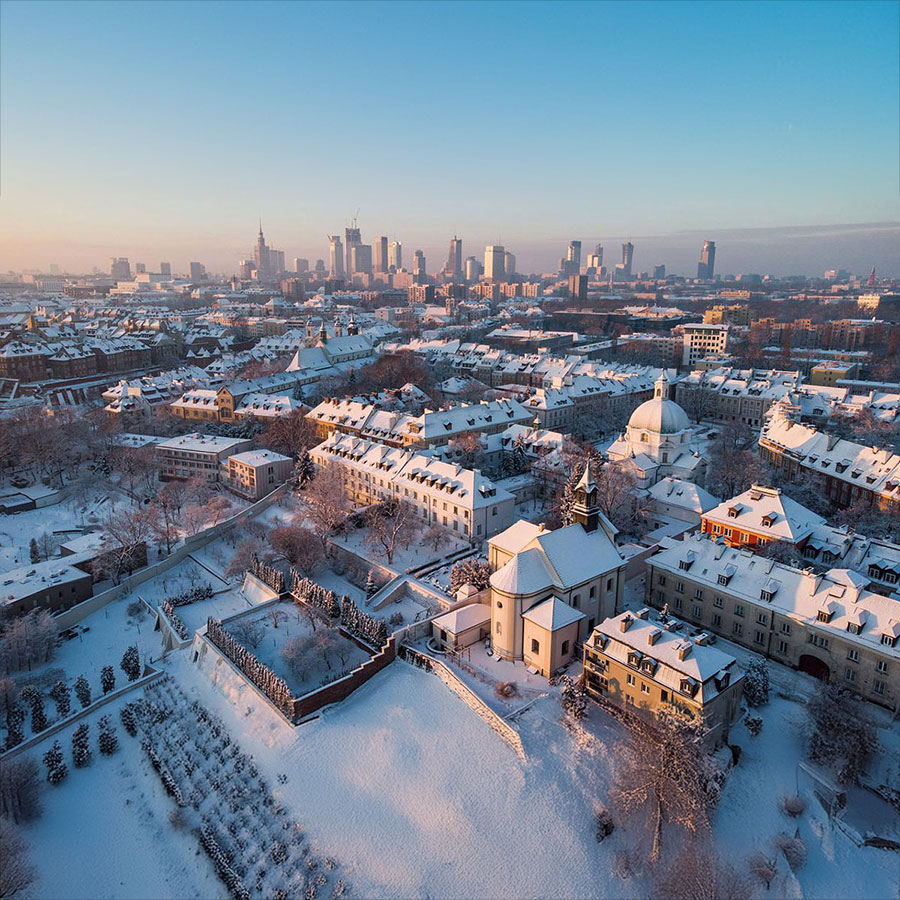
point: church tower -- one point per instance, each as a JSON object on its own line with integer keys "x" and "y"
{"x": 586, "y": 510}
{"x": 661, "y": 388}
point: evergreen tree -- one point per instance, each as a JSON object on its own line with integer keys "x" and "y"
{"x": 108, "y": 742}
{"x": 83, "y": 691}
{"x": 81, "y": 751}
{"x": 131, "y": 663}
{"x": 107, "y": 679}
{"x": 38, "y": 716}
{"x": 61, "y": 694}
{"x": 371, "y": 587}
{"x": 128, "y": 719}
{"x": 56, "y": 767}
{"x": 33, "y": 551}
{"x": 306, "y": 469}
{"x": 15, "y": 721}
{"x": 756, "y": 683}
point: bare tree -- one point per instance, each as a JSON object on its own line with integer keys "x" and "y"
{"x": 249, "y": 632}
{"x": 19, "y": 790}
{"x": 666, "y": 777}
{"x": 435, "y": 536}
{"x": 326, "y": 502}
{"x": 126, "y": 534}
{"x": 290, "y": 434}
{"x": 297, "y": 546}
{"x": 843, "y": 737}
{"x": 276, "y": 616}
{"x": 765, "y": 868}
{"x": 696, "y": 874}
{"x": 16, "y": 872}
{"x": 245, "y": 553}
{"x": 391, "y": 525}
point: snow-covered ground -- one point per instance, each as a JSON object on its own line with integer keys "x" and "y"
{"x": 104, "y": 831}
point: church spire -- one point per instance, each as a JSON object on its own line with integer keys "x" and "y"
{"x": 586, "y": 509}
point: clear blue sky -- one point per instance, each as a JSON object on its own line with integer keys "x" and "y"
{"x": 168, "y": 128}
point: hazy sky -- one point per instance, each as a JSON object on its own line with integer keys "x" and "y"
{"x": 164, "y": 130}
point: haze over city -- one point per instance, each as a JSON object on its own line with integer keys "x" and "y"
{"x": 530, "y": 124}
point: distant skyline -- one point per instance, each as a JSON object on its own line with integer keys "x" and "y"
{"x": 163, "y": 131}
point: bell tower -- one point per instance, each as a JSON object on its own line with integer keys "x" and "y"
{"x": 586, "y": 509}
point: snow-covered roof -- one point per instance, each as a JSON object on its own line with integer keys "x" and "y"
{"x": 767, "y": 511}
{"x": 459, "y": 620}
{"x": 553, "y": 614}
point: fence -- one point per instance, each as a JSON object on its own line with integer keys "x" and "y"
{"x": 82, "y": 610}
{"x": 466, "y": 694}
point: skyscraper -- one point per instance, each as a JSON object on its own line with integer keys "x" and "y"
{"x": 165, "y": 268}
{"x": 419, "y": 263}
{"x": 335, "y": 256}
{"x": 595, "y": 260}
{"x": 509, "y": 265}
{"x": 454, "y": 267}
{"x": 198, "y": 272}
{"x": 627, "y": 257}
{"x": 380, "y": 254}
{"x": 395, "y": 255}
{"x": 301, "y": 265}
{"x": 361, "y": 259}
{"x": 262, "y": 256}
{"x": 474, "y": 269}
{"x": 574, "y": 256}
{"x": 494, "y": 263}
{"x": 120, "y": 268}
{"x": 351, "y": 237}
{"x": 707, "y": 266}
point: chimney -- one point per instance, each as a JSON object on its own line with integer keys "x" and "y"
{"x": 625, "y": 622}
{"x": 702, "y": 639}
{"x": 684, "y": 649}
{"x": 643, "y": 613}
{"x": 653, "y": 636}
{"x": 720, "y": 548}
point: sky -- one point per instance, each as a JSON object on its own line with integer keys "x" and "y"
{"x": 165, "y": 131}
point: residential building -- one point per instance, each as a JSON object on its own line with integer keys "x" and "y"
{"x": 828, "y": 625}
{"x": 702, "y": 340}
{"x": 255, "y": 473}
{"x": 196, "y": 455}
{"x": 644, "y": 664}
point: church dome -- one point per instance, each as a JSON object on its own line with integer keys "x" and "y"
{"x": 660, "y": 417}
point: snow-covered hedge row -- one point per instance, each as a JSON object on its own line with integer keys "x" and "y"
{"x": 366, "y": 627}
{"x": 313, "y": 594}
{"x": 269, "y": 575}
{"x": 194, "y": 595}
{"x": 177, "y": 625}
{"x": 255, "y": 848}
{"x": 272, "y": 685}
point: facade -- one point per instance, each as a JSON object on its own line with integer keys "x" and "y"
{"x": 494, "y": 263}
{"x": 847, "y": 472}
{"x": 549, "y": 589}
{"x": 701, "y": 340}
{"x": 255, "y": 473}
{"x": 643, "y": 664}
{"x": 707, "y": 266}
{"x": 54, "y": 585}
{"x": 193, "y": 455}
{"x": 461, "y": 500}
{"x": 828, "y": 625}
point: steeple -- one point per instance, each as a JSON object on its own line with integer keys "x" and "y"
{"x": 586, "y": 510}
{"x": 323, "y": 331}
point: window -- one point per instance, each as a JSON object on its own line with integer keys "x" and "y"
{"x": 782, "y": 647}
{"x": 759, "y": 637}
{"x": 697, "y": 611}
{"x": 785, "y": 628}
{"x": 762, "y": 618}
{"x": 850, "y": 674}
{"x": 878, "y": 687}
{"x": 698, "y": 594}
{"x": 497, "y": 629}
{"x": 609, "y": 584}
{"x": 717, "y": 620}
{"x": 853, "y": 655}
{"x": 576, "y": 601}
{"x": 737, "y": 629}
{"x": 661, "y": 580}
{"x": 881, "y": 665}
{"x": 565, "y": 648}
{"x": 679, "y": 603}
{"x": 679, "y": 586}
{"x": 738, "y": 609}
{"x": 630, "y": 679}
{"x": 644, "y": 688}
{"x": 718, "y": 603}
{"x": 888, "y": 639}
{"x": 593, "y": 591}
{"x": 535, "y": 646}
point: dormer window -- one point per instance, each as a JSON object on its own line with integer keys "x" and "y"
{"x": 853, "y": 628}
{"x": 733, "y": 512}
{"x": 823, "y": 615}
{"x": 889, "y": 640}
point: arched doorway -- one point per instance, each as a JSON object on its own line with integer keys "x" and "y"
{"x": 814, "y": 666}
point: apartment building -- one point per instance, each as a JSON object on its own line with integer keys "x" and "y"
{"x": 255, "y": 473}
{"x": 644, "y": 663}
{"x": 848, "y": 472}
{"x": 828, "y": 625}
{"x": 191, "y": 455}
{"x": 442, "y": 493}
{"x": 702, "y": 340}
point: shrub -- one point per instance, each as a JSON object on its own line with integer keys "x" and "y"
{"x": 754, "y": 725}
{"x": 793, "y": 805}
{"x": 83, "y": 691}
{"x": 56, "y": 767}
{"x": 604, "y": 824}
{"x": 756, "y": 683}
{"x": 131, "y": 663}
{"x": 107, "y": 679}
{"x": 81, "y": 751}
{"x": 506, "y": 689}
{"x": 793, "y": 849}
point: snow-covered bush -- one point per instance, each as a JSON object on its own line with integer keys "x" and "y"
{"x": 793, "y": 849}
{"x": 754, "y": 725}
{"x": 131, "y": 663}
{"x": 269, "y": 575}
{"x": 573, "y": 698}
{"x": 756, "y": 683}
{"x": 315, "y": 595}
{"x": 604, "y": 824}
{"x": 793, "y": 804}
{"x": 15, "y": 722}
{"x": 56, "y": 767}
{"x": 81, "y": 751}
{"x": 472, "y": 571}
{"x": 108, "y": 742}
{"x": 61, "y": 694}
{"x": 129, "y": 721}
{"x": 107, "y": 679}
{"x": 506, "y": 689}
{"x": 366, "y": 627}
{"x": 83, "y": 691}
{"x": 177, "y": 625}
{"x": 843, "y": 736}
